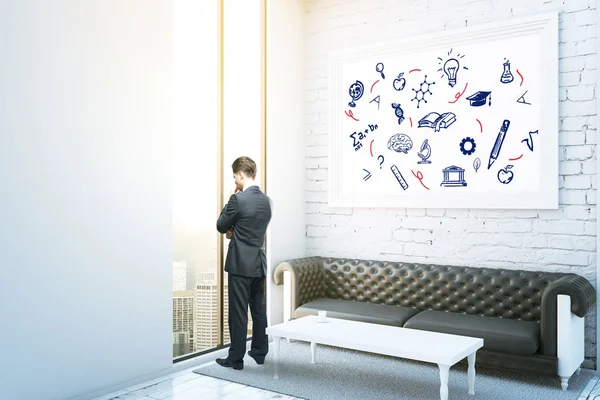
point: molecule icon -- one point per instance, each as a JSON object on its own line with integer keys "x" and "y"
{"x": 424, "y": 88}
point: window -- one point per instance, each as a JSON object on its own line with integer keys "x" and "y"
{"x": 210, "y": 134}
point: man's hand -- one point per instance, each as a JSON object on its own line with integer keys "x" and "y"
{"x": 229, "y": 234}
{"x": 234, "y": 191}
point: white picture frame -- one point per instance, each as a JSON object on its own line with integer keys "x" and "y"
{"x": 541, "y": 193}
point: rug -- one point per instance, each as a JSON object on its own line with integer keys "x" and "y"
{"x": 347, "y": 374}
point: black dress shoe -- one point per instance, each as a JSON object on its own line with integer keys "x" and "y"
{"x": 259, "y": 360}
{"x": 223, "y": 362}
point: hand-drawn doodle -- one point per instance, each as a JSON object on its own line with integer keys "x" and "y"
{"x": 350, "y": 114}
{"x": 529, "y": 140}
{"x": 424, "y": 153}
{"x": 516, "y": 158}
{"x": 437, "y": 121}
{"x": 355, "y": 91}
{"x": 505, "y": 175}
{"x": 451, "y": 67}
{"x": 520, "y": 76}
{"x": 480, "y": 126}
{"x": 371, "y": 147}
{"x": 382, "y": 160}
{"x": 400, "y": 143}
{"x": 414, "y": 70}
{"x": 377, "y": 100}
{"x": 357, "y": 137}
{"x": 379, "y": 68}
{"x": 399, "y": 177}
{"x": 507, "y": 76}
{"x": 367, "y": 176}
{"x": 420, "y": 93}
{"x": 453, "y": 176}
{"x": 479, "y": 99}
{"x": 373, "y": 85}
{"x": 458, "y": 95}
{"x": 355, "y": 141}
{"x": 522, "y": 98}
{"x": 399, "y": 112}
{"x": 476, "y": 164}
{"x": 419, "y": 176}
{"x": 467, "y": 146}
{"x": 399, "y": 82}
{"x": 498, "y": 145}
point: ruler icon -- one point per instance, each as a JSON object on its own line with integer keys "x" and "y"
{"x": 399, "y": 177}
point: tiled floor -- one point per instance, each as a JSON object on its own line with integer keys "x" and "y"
{"x": 595, "y": 393}
{"x": 186, "y": 385}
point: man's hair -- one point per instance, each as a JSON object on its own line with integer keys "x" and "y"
{"x": 245, "y": 165}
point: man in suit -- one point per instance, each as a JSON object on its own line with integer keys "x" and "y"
{"x": 244, "y": 220}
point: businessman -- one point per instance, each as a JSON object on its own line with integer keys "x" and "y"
{"x": 244, "y": 220}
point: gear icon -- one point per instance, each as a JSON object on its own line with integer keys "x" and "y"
{"x": 467, "y": 149}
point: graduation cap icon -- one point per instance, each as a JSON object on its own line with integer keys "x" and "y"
{"x": 478, "y": 99}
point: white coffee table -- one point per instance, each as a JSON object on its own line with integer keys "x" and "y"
{"x": 438, "y": 348}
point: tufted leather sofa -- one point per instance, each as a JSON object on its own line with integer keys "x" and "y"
{"x": 514, "y": 311}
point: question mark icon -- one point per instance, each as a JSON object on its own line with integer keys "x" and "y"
{"x": 381, "y": 162}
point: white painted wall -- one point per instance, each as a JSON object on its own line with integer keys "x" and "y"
{"x": 85, "y": 211}
{"x": 561, "y": 240}
{"x": 285, "y": 140}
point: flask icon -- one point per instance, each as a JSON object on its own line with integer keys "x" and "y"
{"x": 507, "y": 76}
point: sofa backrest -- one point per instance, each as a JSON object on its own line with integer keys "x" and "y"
{"x": 512, "y": 294}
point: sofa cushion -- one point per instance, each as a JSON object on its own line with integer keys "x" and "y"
{"x": 499, "y": 334}
{"x": 357, "y": 311}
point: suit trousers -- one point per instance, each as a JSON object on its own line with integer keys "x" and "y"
{"x": 246, "y": 291}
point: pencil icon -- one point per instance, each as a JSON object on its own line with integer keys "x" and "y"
{"x": 498, "y": 145}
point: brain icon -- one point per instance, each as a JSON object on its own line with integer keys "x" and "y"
{"x": 400, "y": 143}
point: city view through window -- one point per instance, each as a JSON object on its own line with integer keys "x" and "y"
{"x": 195, "y": 296}
{"x": 200, "y": 139}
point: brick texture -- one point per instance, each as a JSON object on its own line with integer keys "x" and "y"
{"x": 560, "y": 240}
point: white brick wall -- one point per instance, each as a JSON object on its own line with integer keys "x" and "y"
{"x": 562, "y": 240}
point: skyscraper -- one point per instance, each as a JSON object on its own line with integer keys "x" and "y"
{"x": 206, "y": 312}
{"x": 179, "y": 275}
{"x": 184, "y": 322}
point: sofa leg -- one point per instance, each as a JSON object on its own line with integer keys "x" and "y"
{"x": 564, "y": 382}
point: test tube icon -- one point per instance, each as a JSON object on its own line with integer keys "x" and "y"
{"x": 399, "y": 177}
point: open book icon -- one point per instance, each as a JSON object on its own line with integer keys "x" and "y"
{"x": 437, "y": 121}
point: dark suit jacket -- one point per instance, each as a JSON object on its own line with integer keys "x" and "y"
{"x": 249, "y": 214}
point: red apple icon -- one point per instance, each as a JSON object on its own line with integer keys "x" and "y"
{"x": 505, "y": 175}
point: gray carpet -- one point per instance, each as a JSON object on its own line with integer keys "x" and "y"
{"x": 345, "y": 374}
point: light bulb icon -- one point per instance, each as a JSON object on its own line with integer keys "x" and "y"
{"x": 451, "y": 69}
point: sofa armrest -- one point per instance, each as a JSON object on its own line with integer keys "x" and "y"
{"x": 583, "y": 297}
{"x": 306, "y": 279}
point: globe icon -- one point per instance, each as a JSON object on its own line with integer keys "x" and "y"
{"x": 356, "y": 91}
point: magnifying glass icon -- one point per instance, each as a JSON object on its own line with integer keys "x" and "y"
{"x": 379, "y": 68}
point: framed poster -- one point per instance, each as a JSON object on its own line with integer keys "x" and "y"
{"x": 463, "y": 119}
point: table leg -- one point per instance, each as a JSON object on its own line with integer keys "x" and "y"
{"x": 444, "y": 372}
{"x": 313, "y": 352}
{"x": 276, "y": 340}
{"x": 471, "y": 372}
